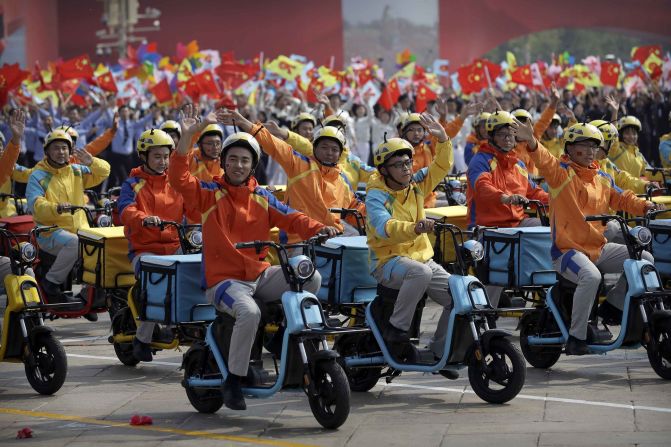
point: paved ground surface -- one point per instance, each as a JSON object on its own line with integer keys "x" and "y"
{"x": 611, "y": 400}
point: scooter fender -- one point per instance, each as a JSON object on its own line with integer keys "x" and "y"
{"x": 659, "y": 316}
{"x": 194, "y": 347}
{"x": 492, "y": 334}
{"x": 321, "y": 357}
{"x": 37, "y": 331}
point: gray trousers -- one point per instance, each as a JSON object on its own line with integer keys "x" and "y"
{"x": 65, "y": 246}
{"x": 577, "y": 267}
{"x": 236, "y": 298}
{"x": 613, "y": 232}
{"x": 494, "y": 292}
{"x": 413, "y": 279}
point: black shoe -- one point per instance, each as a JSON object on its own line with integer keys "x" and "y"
{"x": 163, "y": 335}
{"x": 575, "y": 346}
{"x": 595, "y": 334}
{"x": 52, "y": 291}
{"x": 610, "y": 314}
{"x": 233, "y": 397}
{"x": 91, "y": 316}
{"x": 392, "y": 335}
{"x": 449, "y": 374}
{"x": 142, "y": 351}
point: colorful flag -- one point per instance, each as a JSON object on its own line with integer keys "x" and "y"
{"x": 285, "y": 68}
{"x": 370, "y": 93}
{"x": 642, "y": 54}
{"x": 77, "y": 68}
{"x": 106, "y": 82}
{"x": 610, "y": 73}
{"x": 390, "y": 95}
{"x": 423, "y": 96}
{"x": 441, "y": 67}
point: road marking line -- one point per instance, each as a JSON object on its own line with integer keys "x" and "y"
{"x": 154, "y": 428}
{"x": 531, "y": 397}
{"x": 448, "y": 390}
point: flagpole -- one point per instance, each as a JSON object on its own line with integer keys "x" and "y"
{"x": 489, "y": 79}
{"x": 332, "y": 63}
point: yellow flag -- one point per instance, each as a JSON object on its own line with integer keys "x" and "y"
{"x": 653, "y": 63}
{"x": 511, "y": 59}
{"x": 406, "y": 72}
{"x": 286, "y": 68}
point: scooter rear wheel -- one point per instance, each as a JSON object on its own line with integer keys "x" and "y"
{"x": 123, "y": 323}
{"x": 360, "y": 379}
{"x": 199, "y": 364}
{"x": 330, "y": 406}
{"x": 503, "y": 376}
{"x": 540, "y": 356}
{"x": 660, "y": 356}
{"x": 50, "y": 365}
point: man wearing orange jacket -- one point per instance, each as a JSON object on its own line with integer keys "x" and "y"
{"x": 579, "y": 250}
{"x": 8, "y": 157}
{"x": 315, "y": 183}
{"x": 235, "y": 209}
{"x": 147, "y": 199}
{"x": 498, "y": 182}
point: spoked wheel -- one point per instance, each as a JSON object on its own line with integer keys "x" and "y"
{"x": 123, "y": 324}
{"x": 660, "y": 354}
{"x": 503, "y": 375}
{"x": 116, "y": 301}
{"x": 50, "y": 365}
{"x": 198, "y": 363}
{"x": 539, "y": 356}
{"x": 330, "y": 406}
{"x": 360, "y": 379}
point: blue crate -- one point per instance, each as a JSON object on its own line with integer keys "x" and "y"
{"x": 661, "y": 245}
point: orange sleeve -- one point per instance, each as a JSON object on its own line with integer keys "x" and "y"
{"x": 99, "y": 144}
{"x": 548, "y": 165}
{"x": 7, "y": 161}
{"x": 279, "y": 150}
{"x": 544, "y": 121}
{"x": 453, "y": 127}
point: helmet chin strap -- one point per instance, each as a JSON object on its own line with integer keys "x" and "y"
{"x": 327, "y": 164}
{"x": 55, "y": 164}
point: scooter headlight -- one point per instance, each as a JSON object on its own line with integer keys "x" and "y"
{"x": 474, "y": 249}
{"x": 302, "y": 266}
{"x": 459, "y": 197}
{"x": 104, "y": 221}
{"x": 455, "y": 185}
{"x": 195, "y": 238}
{"x": 28, "y": 252}
{"x": 641, "y": 235}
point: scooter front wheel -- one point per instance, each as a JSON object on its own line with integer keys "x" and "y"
{"x": 49, "y": 366}
{"x": 502, "y": 376}
{"x": 330, "y": 405}
{"x": 198, "y": 363}
{"x": 660, "y": 355}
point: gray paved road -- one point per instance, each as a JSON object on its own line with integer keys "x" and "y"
{"x": 610, "y": 400}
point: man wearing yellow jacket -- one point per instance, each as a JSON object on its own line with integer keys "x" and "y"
{"x": 400, "y": 251}
{"x": 625, "y": 153}
{"x": 579, "y": 250}
{"x": 315, "y": 183}
{"x": 54, "y": 185}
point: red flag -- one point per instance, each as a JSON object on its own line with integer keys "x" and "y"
{"x": 642, "y": 54}
{"x": 206, "y": 84}
{"x": 424, "y": 95}
{"x": 390, "y": 95}
{"x": 315, "y": 85}
{"x": 610, "y": 73}
{"x": 191, "y": 88}
{"x": 472, "y": 78}
{"x": 522, "y": 75}
{"x": 77, "y": 68}
{"x": 11, "y": 77}
{"x": 106, "y": 82}
{"x": 162, "y": 92}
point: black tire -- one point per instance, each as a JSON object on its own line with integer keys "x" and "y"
{"x": 505, "y": 368}
{"x": 123, "y": 323}
{"x": 538, "y": 356}
{"x": 51, "y": 365}
{"x": 116, "y": 301}
{"x": 360, "y": 379}
{"x": 660, "y": 358}
{"x": 331, "y": 404}
{"x": 199, "y": 363}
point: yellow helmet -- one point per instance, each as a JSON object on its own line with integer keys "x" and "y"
{"x": 390, "y": 147}
{"x": 304, "y": 117}
{"x": 482, "y": 116}
{"x": 333, "y": 121}
{"x": 498, "y": 119}
{"x": 242, "y": 139}
{"x": 399, "y": 120}
{"x": 582, "y": 132}
{"x": 211, "y": 129}
{"x": 411, "y": 118}
{"x": 331, "y": 132}
{"x": 71, "y": 131}
{"x": 607, "y": 129}
{"x": 629, "y": 121}
{"x": 58, "y": 135}
{"x": 154, "y": 138}
{"x": 171, "y": 125}
{"x": 522, "y": 114}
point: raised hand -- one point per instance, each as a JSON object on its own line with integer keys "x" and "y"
{"x": 470, "y": 109}
{"x": 434, "y": 127}
{"x": 564, "y": 110}
{"x": 17, "y": 123}
{"x": 83, "y": 157}
{"x": 554, "y": 95}
{"x": 189, "y": 119}
{"x": 276, "y": 130}
{"x": 441, "y": 107}
{"x": 523, "y": 131}
{"x": 115, "y": 122}
{"x": 234, "y": 118}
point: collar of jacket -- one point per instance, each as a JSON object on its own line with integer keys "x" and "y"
{"x": 586, "y": 174}
{"x": 151, "y": 178}
{"x": 330, "y": 173}
{"x": 237, "y": 191}
{"x": 198, "y": 155}
{"x": 504, "y": 159}
{"x": 45, "y": 166}
{"x": 376, "y": 181}
{"x": 629, "y": 147}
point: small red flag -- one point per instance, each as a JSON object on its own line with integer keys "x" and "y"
{"x": 77, "y": 68}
